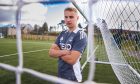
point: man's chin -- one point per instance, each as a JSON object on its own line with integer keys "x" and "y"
{"x": 70, "y": 26}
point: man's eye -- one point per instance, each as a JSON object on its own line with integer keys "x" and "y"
{"x": 66, "y": 17}
{"x": 70, "y": 16}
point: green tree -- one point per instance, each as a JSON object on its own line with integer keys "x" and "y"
{"x": 79, "y": 25}
{"x": 62, "y": 24}
{"x": 50, "y": 29}
{"x": 36, "y": 28}
{"x": 45, "y": 28}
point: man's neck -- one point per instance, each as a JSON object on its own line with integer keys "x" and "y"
{"x": 72, "y": 29}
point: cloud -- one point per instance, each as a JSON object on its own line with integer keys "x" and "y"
{"x": 8, "y": 2}
{"x": 31, "y": 14}
{"x": 7, "y": 14}
{"x": 34, "y": 13}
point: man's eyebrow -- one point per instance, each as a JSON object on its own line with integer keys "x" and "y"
{"x": 69, "y": 16}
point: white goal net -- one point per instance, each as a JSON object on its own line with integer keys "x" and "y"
{"x": 117, "y": 31}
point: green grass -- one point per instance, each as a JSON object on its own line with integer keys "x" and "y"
{"x": 40, "y": 61}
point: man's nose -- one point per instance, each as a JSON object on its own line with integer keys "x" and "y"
{"x": 68, "y": 19}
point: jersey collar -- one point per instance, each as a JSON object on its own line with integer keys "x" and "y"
{"x": 76, "y": 30}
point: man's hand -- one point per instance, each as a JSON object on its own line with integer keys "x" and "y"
{"x": 72, "y": 57}
{"x": 65, "y": 52}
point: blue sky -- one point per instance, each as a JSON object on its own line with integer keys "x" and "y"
{"x": 55, "y": 13}
{"x": 35, "y": 13}
{"x": 50, "y": 12}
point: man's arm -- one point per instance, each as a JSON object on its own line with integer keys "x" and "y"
{"x": 56, "y": 52}
{"x": 71, "y": 58}
{"x": 77, "y": 49}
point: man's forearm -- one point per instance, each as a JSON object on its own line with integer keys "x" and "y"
{"x": 55, "y": 53}
{"x": 58, "y": 53}
{"x": 68, "y": 59}
{"x": 71, "y": 58}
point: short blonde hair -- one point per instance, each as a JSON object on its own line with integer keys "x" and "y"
{"x": 71, "y": 9}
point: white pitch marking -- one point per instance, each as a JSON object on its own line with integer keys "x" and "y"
{"x": 23, "y": 52}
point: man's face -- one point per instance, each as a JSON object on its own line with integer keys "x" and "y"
{"x": 70, "y": 18}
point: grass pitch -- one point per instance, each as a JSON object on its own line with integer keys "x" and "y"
{"x": 35, "y": 55}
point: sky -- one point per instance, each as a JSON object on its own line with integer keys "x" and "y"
{"x": 35, "y": 13}
{"x": 38, "y": 13}
{"x": 116, "y": 12}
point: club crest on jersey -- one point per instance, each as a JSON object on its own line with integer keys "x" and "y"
{"x": 70, "y": 39}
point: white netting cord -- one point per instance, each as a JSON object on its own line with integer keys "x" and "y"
{"x": 89, "y": 57}
{"x": 121, "y": 69}
{"x": 90, "y": 49}
{"x": 113, "y": 47}
{"x": 40, "y": 75}
{"x": 19, "y": 42}
{"x": 122, "y": 18}
{"x": 36, "y": 74}
{"x": 91, "y": 40}
{"x": 90, "y": 53}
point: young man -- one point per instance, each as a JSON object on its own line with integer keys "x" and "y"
{"x": 69, "y": 47}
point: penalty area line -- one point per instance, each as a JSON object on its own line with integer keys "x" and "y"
{"x": 23, "y": 52}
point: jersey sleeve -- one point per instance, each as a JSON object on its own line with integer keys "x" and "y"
{"x": 80, "y": 42}
{"x": 58, "y": 38}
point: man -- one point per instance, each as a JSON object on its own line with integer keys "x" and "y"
{"x": 69, "y": 47}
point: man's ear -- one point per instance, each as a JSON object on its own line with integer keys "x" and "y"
{"x": 77, "y": 17}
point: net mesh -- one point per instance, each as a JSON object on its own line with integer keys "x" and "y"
{"x": 118, "y": 23}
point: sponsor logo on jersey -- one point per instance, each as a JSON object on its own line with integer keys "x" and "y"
{"x": 65, "y": 46}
